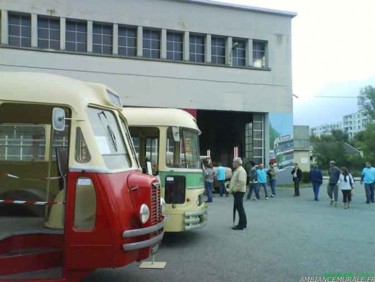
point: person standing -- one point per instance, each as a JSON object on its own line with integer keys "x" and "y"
{"x": 253, "y": 183}
{"x": 220, "y": 175}
{"x": 272, "y": 179}
{"x": 208, "y": 181}
{"x": 238, "y": 189}
{"x": 297, "y": 177}
{"x": 316, "y": 178}
{"x": 368, "y": 178}
{"x": 332, "y": 188}
{"x": 262, "y": 179}
{"x": 346, "y": 184}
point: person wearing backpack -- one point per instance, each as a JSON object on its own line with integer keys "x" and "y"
{"x": 253, "y": 183}
{"x": 346, "y": 184}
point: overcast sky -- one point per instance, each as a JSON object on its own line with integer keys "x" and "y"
{"x": 333, "y": 54}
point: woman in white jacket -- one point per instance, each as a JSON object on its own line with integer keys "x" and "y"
{"x": 346, "y": 184}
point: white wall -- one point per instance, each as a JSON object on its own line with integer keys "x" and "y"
{"x": 157, "y": 83}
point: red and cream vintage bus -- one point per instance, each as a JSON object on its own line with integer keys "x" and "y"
{"x": 72, "y": 195}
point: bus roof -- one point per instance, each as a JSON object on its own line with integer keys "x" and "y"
{"x": 159, "y": 117}
{"x": 52, "y": 89}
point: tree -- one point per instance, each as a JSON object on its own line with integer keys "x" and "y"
{"x": 332, "y": 147}
{"x": 366, "y": 101}
{"x": 365, "y": 140}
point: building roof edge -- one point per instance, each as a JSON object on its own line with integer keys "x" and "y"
{"x": 241, "y": 7}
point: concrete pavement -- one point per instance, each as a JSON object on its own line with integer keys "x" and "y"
{"x": 286, "y": 238}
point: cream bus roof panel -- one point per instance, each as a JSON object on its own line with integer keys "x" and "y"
{"x": 159, "y": 117}
{"x": 51, "y": 89}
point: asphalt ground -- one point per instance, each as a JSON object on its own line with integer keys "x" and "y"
{"x": 287, "y": 238}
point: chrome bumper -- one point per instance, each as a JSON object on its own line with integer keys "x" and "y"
{"x": 195, "y": 220}
{"x": 140, "y": 232}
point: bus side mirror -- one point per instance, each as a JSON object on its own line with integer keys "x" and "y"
{"x": 58, "y": 119}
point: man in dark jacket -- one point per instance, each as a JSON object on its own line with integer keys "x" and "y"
{"x": 253, "y": 183}
{"x": 316, "y": 177}
{"x": 332, "y": 188}
{"x": 297, "y": 177}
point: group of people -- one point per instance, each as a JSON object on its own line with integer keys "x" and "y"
{"x": 339, "y": 179}
{"x": 259, "y": 176}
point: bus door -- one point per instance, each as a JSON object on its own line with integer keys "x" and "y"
{"x": 146, "y": 142}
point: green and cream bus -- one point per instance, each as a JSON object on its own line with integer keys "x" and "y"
{"x": 167, "y": 142}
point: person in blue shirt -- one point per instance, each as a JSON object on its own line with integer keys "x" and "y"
{"x": 220, "y": 176}
{"x": 262, "y": 179}
{"x": 368, "y": 178}
{"x": 316, "y": 177}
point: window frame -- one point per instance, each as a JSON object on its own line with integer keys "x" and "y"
{"x": 20, "y": 25}
{"x": 76, "y": 32}
{"x": 194, "y": 46}
{"x": 127, "y": 47}
{"x": 102, "y": 35}
{"x": 263, "y": 59}
{"x": 50, "y": 30}
{"x": 149, "y": 51}
{"x": 175, "y": 55}
{"x": 217, "y": 57}
{"x": 236, "y": 58}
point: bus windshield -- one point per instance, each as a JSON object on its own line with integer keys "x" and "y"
{"x": 182, "y": 148}
{"x": 109, "y": 139}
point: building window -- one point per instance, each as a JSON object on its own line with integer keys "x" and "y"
{"x": 19, "y": 30}
{"x": 76, "y": 36}
{"x": 239, "y": 52}
{"x": 102, "y": 38}
{"x": 48, "y": 33}
{"x": 175, "y": 42}
{"x": 127, "y": 41}
{"x": 197, "y": 46}
{"x": 151, "y": 43}
{"x": 259, "y": 54}
{"x": 218, "y": 50}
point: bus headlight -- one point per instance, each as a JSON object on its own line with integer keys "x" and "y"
{"x": 144, "y": 213}
{"x": 162, "y": 205}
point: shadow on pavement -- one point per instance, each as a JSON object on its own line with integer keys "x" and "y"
{"x": 180, "y": 239}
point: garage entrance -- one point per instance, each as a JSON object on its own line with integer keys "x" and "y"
{"x": 222, "y": 131}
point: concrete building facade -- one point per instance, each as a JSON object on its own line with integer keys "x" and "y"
{"x": 325, "y": 129}
{"x": 229, "y": 65}
{"x": 354, "y": 123}
{"x": 350, "y": 124}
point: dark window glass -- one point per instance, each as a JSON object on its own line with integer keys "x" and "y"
{"x": 239, "y": 52}
{"x": 259, "y": 54}
{"x": 19, "y": 30}
{"x": 175, "y": 42}
{"x": 102, "y": 38}
{"x": 127, "y": 41}
{"x": 48, "y": 33}
{"x": 197, "y": 48}
{"x": 151, "y": 43}
{"x": 76, "y": 36}
{"x": 218, "y": 50}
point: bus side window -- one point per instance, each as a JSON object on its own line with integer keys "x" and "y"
{"x": 85, "y": 204}
{"x": 82, "y": 152}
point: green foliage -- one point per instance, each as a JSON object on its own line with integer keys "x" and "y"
{"x": 365, "y": 140}
{"x": 332, "y": 147}
{"x": 366, "y": 100}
